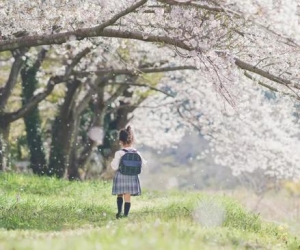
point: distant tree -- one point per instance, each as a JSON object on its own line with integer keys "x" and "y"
{"x": 260, "y": 133}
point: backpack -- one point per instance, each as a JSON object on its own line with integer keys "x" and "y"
{"x": 130, "y": 163}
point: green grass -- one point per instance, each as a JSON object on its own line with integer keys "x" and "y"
{"x": 46, "y": 213}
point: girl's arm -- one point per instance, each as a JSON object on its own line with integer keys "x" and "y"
{"x": 144, "y": 162}
{"x": 116, "y": 161}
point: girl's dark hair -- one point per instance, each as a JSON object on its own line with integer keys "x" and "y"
{"x": 126, "y": 135}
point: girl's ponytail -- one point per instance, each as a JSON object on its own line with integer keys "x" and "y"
{"x": 130, "y": 138}
{"x": 128, "y": 129}
{"x": 126, "y": 135}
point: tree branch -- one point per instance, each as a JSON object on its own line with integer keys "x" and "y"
{"x": 115, "y": 95}
{"x": 297, "y": 97}
{"x": 59, "y": 38}
{"x": 133, "y": 72}
{"x": 94, "y": 88}
{"x": 98, "y": 120}
{"x": 35, "y": 100}
{"x": 189, "y": 120}
{"x": 33, "y": 41}
{"x": 41, "y": 56}
{"x": 121, "y": 14}
{"x": 243, "y": 65}
{"x": 30, "y": 41}
{"x": 76, "y": 60}
{"x": 84, "y": 102}
{"x": 173, "y": 103}
{"x": 145, "y": 37}
{"x": 182, "y": 45}
{"x": 191, "y": 4}
{"x": 218, "y": 8}
{"x": 12, "y": 79}
{"x": 140, "y": 85}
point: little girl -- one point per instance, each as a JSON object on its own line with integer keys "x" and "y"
{"x": 125, "y": 185}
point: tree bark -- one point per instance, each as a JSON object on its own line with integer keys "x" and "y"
{"x": 36, "y": 40}
{"x": 32, "y": 120}
{"x": 64, "y": 124}
{"x": 4, "y": 96}
{"x": 73, "y": 168}
{"x": 99, "y": 112}
{"x": 62, "y": 131}
{"x": 4, "y": 146}
{"x": 13, "y": 77}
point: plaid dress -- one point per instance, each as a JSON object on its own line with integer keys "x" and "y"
{"x": 125, "y": 184}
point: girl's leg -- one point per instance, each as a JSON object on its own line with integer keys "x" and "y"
{"x": 119, "y": 204}
{"x": 127, "y": 204}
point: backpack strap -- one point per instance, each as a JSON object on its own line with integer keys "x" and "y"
{"x": 129, "y": 150}
{"x": 125, "y": 150}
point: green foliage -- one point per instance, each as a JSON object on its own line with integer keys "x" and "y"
{"x": 5, "y": 68}
{"x": 237, "y": 217}
{"x": 124, "y": 51}
{"x": 81, "y": 215}
{"x": 151, "y": 79}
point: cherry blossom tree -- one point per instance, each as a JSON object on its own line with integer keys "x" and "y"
{"x": 204, "y": 30}
{"x": 113, "y": 84}
{"x": 228, "y": 41}
{"x": 260, "y": 132}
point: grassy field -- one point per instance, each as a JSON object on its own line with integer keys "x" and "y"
{"x": 46, "y": 213}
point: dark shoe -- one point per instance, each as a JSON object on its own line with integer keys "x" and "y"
{"x": 118, "y": 216}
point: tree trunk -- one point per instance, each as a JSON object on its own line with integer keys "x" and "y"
{"x": 62, "y": 131}
{"x": 32, "y": 121}
{"x": 73, "y": 168}
{"x": 5, "y": 93}
{"x": 4, "y": 146}
{"x": 99, "y": 110}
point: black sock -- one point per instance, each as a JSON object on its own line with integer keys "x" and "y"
{"x": 126, "y": 208}
{"x": 120, "y": 204}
